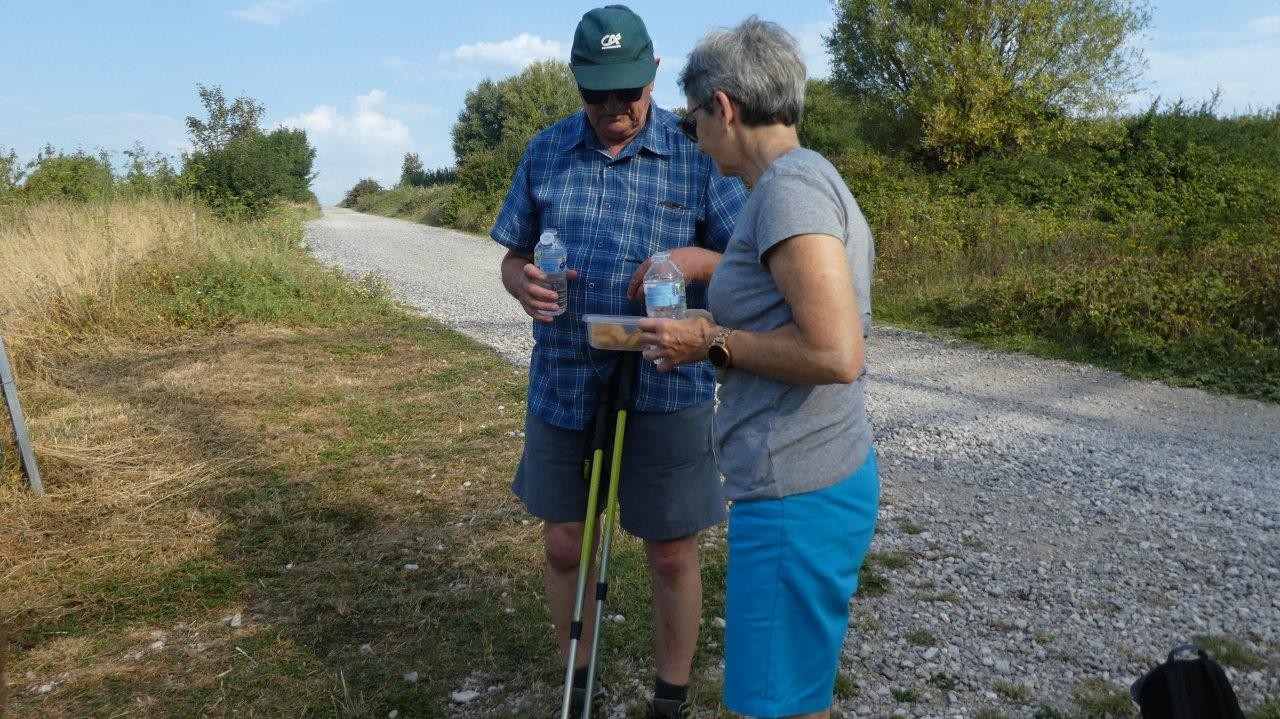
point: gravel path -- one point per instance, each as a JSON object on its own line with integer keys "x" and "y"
{"x": 1048, "y": 529}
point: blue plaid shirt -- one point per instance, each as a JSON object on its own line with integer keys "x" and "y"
{"x": 613, "y": 213}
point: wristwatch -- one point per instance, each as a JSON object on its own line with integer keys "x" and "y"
{"x": 718, "y": 350}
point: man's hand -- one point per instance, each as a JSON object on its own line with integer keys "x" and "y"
{"x": 521, "y": 277}
{"x": 697, "y": 264}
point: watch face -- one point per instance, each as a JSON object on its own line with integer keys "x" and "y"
{"x": 718, "y": 356}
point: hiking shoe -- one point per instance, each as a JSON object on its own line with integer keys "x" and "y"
{"x": 577, "y": 694}
{"x": 669, "y": 709}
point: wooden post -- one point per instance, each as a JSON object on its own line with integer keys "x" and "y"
{"x": 20, "y": 435}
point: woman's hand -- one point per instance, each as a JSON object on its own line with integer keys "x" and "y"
{"x": 676, "y": 342}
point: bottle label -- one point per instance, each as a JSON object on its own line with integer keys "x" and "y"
{"x": 665, "y": 294}
{"x": 552, "y": 265}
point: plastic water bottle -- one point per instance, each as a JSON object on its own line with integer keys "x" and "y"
{"x": 552, "y": 257}
{"x": 664, "y": 288}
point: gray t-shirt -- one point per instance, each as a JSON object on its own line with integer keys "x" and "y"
{"x": 774, "y": 438}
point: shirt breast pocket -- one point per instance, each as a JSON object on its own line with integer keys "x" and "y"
{"x": 675, "y": 225}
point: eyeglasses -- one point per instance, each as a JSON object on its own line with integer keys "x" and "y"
{"x": 689, "y": 125}
{"x": 599, "y": 97}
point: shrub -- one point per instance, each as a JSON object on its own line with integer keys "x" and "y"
{"x": 10, "y": 173}
{"x": 830, "y": 124}
{"x": 75, "y": 177}
{"x": 365, "y": 186}
{"x": 148, "y": 175}
{"x": 417, "y": 204}
{"x": 1210, "y": 318}
{"x": 253, "y": 171}
{"x": 237, "y": 168}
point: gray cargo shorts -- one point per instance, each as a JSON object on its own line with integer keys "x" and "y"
{"x": 669, "y": 488}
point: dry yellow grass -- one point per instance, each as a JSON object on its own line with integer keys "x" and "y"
{"x": 186, "y": 464}
{"x": 79, "y": 249}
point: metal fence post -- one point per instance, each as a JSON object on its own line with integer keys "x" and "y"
{"x": 10, "y": 391}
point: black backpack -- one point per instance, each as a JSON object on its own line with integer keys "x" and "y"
{"x": 1189, "y": 685}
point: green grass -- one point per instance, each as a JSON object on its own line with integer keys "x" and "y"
{"x": 1013, "y": 691}
{"x": 1266, "y": 710}
{"x": 890, "y": 560}
{"x": 1230, "y": 652}
{"x": 871, "y": 583}
{"x": 845, "y": 688}
{"x": 944, "y": 682}
{"x": 1100, "y": 699}
{"x": 909, "y": 527}
{"x": 904, "y": 696}
{"x": 920, "y": 638}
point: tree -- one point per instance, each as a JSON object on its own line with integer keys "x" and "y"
{"x": 830, "y": 123}
{"x": 252, "y": 171}
{"x": 225, "y": 122}
{"x": 412, "y": 173}
{"x": 479, "y": 124}
{"x": 237, "y": 168}
{"x": 514, "y": 109}
{"x": 963, "y": 77}
{"x": 497, "y": 120}
{"x": 11, "y": 172}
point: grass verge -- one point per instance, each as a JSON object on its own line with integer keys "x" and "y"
{"x": 234, "y": 431}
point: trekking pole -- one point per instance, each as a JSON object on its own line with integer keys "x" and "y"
{"x": 9, "y": 397}
{"x": 600, "y": 437}
{"x": 625, "y": 379}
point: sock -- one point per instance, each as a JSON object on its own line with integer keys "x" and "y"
{"x": 580, "y": 678}
{"x": 673, "y": 692}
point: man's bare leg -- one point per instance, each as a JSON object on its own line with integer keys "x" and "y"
{"x": 676, "y": 578}
{"x": 563, "y": 542}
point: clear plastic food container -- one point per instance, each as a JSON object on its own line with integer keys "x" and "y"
{"x": 620, "y": 332}
{"x": 613, "y": 332}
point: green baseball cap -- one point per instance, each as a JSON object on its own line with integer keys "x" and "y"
{"x": 612, "y": 50}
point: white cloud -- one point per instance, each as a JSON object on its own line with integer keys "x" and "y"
{"x": 365, "y": 142}
{"x": 273, "y": 12}
{"x": 1269, "y": 25}
{"x": 1243, "y": 61}
{"x": 517, "y": 52}
{"x": 366, "y": 125}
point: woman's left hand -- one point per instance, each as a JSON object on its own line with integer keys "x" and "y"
{"x": 672, "y": 343}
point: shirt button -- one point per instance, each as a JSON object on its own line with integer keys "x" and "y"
{"x": 599, "y": 244}
{"x": 608, "y": 206}
{"x": 592, "y": 285}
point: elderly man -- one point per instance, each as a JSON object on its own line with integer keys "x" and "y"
{"x": 620, "y": 182}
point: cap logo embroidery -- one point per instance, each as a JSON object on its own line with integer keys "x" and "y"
{"x": 611, "y": 42}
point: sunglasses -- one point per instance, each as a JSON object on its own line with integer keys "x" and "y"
{"x": 689, "y": 125}
{"x": 599, "y": 97}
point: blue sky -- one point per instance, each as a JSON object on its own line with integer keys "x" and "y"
{"x": 372, "y": 80}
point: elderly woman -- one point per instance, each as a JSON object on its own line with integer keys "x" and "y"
{"x": 792, "y": 303}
